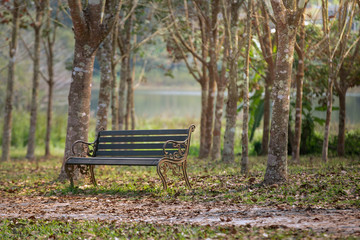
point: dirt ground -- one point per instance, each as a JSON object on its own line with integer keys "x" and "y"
{"x": 112, "y": 208}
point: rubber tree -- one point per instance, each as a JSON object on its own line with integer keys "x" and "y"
{"x": 104, "y": 55}
{"x": 7, "y": 127}
{"x": 37, "y": 24}
{"x": 287, "y": 15}
{"x": 49, "y": 42}
{"x": 337, "y": 50}
{"x": 263, "y": 31}
{"x": 300, "y": 50}
{"x": 91, "y": 27}
{"x": 231, "y": 26}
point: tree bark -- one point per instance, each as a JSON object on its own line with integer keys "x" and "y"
{"x": 342, "y": 119}
{"x": 30, "y": 154}
{"x": 215, "y": 152}
{"x": 266, "y": 124}
{"x": 287, "y": 21}
{"x": 104, "y": 57}
{"x": 7, "y": 127}
{"x": 245, "y": 129}
{"x": 299, "y": 92}
{"x": 114, "y": 97}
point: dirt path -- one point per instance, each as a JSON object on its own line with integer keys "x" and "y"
{"x": 176, "y": 212}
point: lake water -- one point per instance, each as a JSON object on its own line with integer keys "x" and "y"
{"x": 151, "y": 103}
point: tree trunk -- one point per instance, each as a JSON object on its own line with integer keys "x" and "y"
{"x": 79, "y": 99}
{"x": 122, "y": 91}
{"x": 245, "y": 129}
{"x": 7, "y": 127}
{"x": 266, "y": 126}
{"x": 329, "y": 97}
{"x": 215, "y": 152}
{"x": 231, "y": 114}
{"x": 104, "y": 57}
{"x": 130, "y": 93}
{"x": 342, "y": 119}
{"x": 209, "y": 116}
{"x": 299, "y": 92}
{"x": 49, "y": 113}
{"x": 276, "y": 170}
{"x": 30, "y": 155}
{"x": 114, "y": 97}
{"x": 204, "y": 98}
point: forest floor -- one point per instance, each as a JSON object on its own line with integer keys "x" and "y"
{"x": 319, "y": 201}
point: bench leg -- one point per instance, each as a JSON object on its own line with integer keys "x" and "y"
{"x": 183, "y": 167}
{"x": 163, "y": 180}
{"x": 92, "y": 175}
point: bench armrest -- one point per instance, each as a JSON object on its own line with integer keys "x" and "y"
{"x": 90, "y": 146}
{"x": 182, "y": 149}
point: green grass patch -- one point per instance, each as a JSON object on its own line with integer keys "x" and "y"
{"x": 69, "y": 229}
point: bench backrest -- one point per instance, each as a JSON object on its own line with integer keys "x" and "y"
{"x": 138, "y": 143}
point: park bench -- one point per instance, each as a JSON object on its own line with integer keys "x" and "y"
{"x": 160, "y": 148}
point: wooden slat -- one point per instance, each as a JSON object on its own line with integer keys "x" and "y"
{"x": 154, "y": 146}
{"x": 113, "y": 161}
{"x": 142, "y": 139}
{"x": 145, "y": 132}
{"x": 131, "y": 153}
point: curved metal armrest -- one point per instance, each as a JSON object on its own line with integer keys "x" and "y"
{"x": 82, "y": 142}
{"x": 182, "y": 149}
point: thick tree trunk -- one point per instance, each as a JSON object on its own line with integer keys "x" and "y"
{"x": 79, "y": 99}
{"x": 215, "y": 152}
{"x": 266, "y": 121}
{"x": 299, "y": 92}
{"x": 342, "y": 119}
{"x": 276, "y": 170}
{"x": 7, "y": 127}
{"x": 30, "y": 155}
{"x": 104, "y": 57}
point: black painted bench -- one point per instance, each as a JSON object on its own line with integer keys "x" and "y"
{"x": 134, "y": 148}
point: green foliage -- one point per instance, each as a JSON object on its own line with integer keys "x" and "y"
{"x": 20, "y": 130}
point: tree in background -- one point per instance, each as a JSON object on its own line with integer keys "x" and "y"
{"x": 231, "y": 28}
{"x": 7, "y": 127}
{"x": 245, "y": 87}
{"x": 37, "y": 24}
{"x": 337, "y": 50}
{"x": 287, "y": 15}
{"x": 91, "y": 27}
{"x": 104, "y": 55}
{"x": 349, "y": 76}
{"x": 50, "y": 37}
{"x": 262, "y": 27}
{"x": 300, "y": 50}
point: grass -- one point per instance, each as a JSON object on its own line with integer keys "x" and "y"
{"x": 40, "y": 229}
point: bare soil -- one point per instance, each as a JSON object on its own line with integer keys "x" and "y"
{"x": 119, "y": 209}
